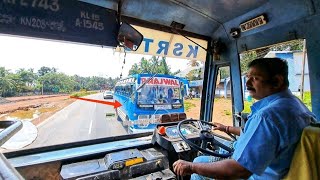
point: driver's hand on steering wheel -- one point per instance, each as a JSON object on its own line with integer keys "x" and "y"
{"x": 182, "y": 167}
{"x": 219, "y": 127}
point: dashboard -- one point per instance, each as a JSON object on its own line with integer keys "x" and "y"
{"x": 151, "y": 163}
{"x": 167, "y": 136}
{"x": 186, "y": 129}
{"x": 131, "y": 164}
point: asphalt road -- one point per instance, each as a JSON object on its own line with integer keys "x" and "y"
{"x": 79, "y": 121}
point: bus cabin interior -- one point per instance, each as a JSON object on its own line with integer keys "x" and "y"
{"x": 227, "y": 27}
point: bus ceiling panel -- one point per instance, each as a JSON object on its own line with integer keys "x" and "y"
{"x": 68, "y": 20}
{"x": 220, "y": 10}
{"x": 277, "y": 12}
{"x": 293, "y": 30}
{"x": 168, "y": 29}
{"x": 200, "y": 17}
{"x": 164, "y": 12}
{"x": 316, "y": 4}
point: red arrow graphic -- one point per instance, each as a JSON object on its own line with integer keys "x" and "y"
{"x": 115, "y": 104}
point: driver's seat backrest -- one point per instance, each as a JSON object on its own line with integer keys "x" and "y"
{"x": 306, "y": 160}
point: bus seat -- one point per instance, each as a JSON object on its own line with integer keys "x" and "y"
{"x": 182, "y": 116}
{"x": 165, "y": 118}
{"x": 174, "y": 117}
{"x": 306, "y": 160}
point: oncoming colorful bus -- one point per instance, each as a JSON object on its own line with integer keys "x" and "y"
{"x": 145, "y": 97}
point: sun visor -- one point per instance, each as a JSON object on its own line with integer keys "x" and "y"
{"x": 69, "y": 20}
{"x": 160, "y": 43}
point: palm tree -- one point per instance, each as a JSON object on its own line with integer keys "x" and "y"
{"x": 164, "y": 68}
{"x": 151, "y": 66}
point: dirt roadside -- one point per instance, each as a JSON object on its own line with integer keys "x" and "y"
{"x": 221, "y": 113}
{"x": 50, "y": 104}
{"x": 44, "y": 105}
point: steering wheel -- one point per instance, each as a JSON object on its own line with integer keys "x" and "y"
{"x": 205, "y": 136}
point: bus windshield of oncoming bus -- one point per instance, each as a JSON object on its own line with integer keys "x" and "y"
{"x": 38, "y": 86}
{"x": 160, "y": 90}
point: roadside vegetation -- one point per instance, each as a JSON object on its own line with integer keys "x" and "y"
{"x": 47, "y": 81}
{"x": 83, "y": 93}
{"x": 306, "y": 101}
{"x": 189, "y": 103}
{"x": 224, "y": 105}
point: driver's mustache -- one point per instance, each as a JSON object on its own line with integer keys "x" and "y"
{"x": 250, "y": 88}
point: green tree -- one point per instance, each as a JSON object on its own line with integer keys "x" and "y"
{"x": 57, "y": 82}
{"x": 3, "y": 71}
{"x": 164, "y": 68}
{"x": 194, "y": 75}
{"x": 6, "y": 83}
{"x": 245, "y": 59}
{"x": 79, "y": 82}
{"x": 224, "y": 72}
{"x": 248, "y": 56}
{"x": 135, "y": 69}
{"x": 10, "y": 83}
{"x": 44, "y": 70}
{"x": 28, "y": 77}
{"x": 295, "y": 45}
{"x": 152, "y": 66}
{"x": 111, "y": 82}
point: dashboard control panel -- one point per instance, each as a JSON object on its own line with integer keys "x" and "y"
{"x": 180, "y": 146}
{"x": 186, "y": 130}
{"x": 167, "y": 136}
{"x": 126, "y": 164}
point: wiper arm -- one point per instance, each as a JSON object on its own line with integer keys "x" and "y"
{"x": 142, "y": 85}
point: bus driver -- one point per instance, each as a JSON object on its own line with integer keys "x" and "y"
{"x": 265, "y": 148}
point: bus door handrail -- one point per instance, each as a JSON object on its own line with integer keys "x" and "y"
{"x": 10, "y": 128}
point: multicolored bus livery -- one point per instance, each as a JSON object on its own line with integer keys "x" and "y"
{"x": 145, "y": 97}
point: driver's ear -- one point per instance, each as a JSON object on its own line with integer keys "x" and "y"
{"x": 277, "y": 81}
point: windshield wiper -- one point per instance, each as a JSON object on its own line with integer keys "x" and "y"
{"x": 141, "y": 86}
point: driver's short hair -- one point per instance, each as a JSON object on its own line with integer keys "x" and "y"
{"x": 272, "y": 67}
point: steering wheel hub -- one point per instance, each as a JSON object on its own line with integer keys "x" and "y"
{"x": 206, "y": 135}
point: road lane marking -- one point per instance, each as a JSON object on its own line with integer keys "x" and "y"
{"x": 91, "y": 122}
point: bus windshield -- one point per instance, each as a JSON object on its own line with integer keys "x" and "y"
{"x": 160, "y": 90}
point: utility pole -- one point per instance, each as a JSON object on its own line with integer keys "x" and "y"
{"x": 42, "y": 88}
{"x": 302, "y": 73}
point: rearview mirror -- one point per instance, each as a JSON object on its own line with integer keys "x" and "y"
{"x": 129, "y": 37}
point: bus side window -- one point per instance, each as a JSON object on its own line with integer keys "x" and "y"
{"x": 292, "y": 52}
{"x": 222, "y": 108}
{"x": 126, "y": 90}
{"x": 131, "y": 91}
